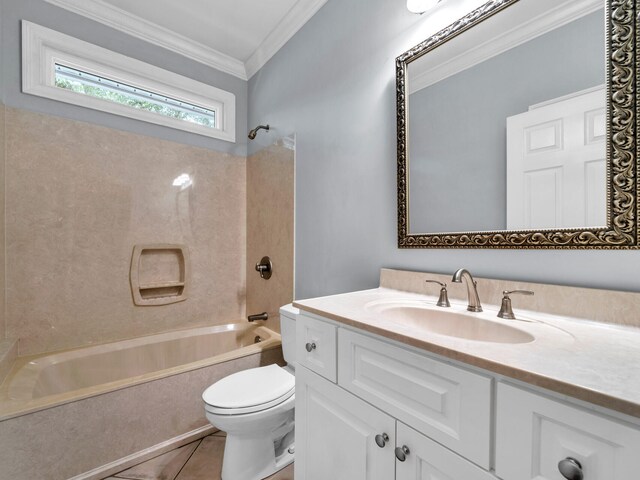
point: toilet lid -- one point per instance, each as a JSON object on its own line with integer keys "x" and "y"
{"x": 251, "y": 388}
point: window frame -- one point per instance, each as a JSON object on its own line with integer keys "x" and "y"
{"x": 43, "y": 48}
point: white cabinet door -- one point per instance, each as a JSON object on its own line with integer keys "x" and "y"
{"x": 335, "y": 434}
{"x": 535, "y": 433}
{"x": 427, "y": 460}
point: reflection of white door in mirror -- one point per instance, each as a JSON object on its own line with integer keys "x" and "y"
{"x": 556, "y": 168}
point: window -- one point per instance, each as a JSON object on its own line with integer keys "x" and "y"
{"x": 113, "y": 91}
{"x": 64, "y": 68}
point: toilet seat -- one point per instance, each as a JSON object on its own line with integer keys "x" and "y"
{"x": 246, "y": 410}
{"x": 249, "y": 391}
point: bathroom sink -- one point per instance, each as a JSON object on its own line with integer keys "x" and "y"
{"x": 453, "y": 324}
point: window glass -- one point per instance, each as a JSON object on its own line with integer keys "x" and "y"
{"x": 100, "y": 87}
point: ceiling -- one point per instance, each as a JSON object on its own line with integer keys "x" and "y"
{"x": 237, "y": 37}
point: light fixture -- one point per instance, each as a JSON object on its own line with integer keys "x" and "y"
{"x": 421, "y": 6}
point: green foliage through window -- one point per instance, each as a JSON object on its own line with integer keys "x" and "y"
{"x": 110, "y": 90}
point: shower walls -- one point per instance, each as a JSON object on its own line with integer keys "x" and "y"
{"x": 84, "y": 187}
{"x": 270, "y": 205}
{"x": 2, "y": 249}
{"x": 79, "y": 197}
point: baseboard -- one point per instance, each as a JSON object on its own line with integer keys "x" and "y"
{"x": 146, "y": 454}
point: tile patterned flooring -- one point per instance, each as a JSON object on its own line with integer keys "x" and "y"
{"x": 199, "y": 460}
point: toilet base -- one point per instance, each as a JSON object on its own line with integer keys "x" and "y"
{"x": 258, "y": 444}
{"x": 254, "y": 458}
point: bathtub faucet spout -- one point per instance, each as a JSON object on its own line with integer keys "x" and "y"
{"x": 258, "y": 316}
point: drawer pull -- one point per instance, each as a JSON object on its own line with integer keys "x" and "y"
{"x": 310, "y": 347}
{"x": 570, "y": 469}
{"x": 381, "y": 440}
{"x": 401, "y": 453}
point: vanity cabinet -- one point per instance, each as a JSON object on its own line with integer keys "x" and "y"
{"x": 341, "y": 437}
{"x": 353, "y": 422}
{"x": 382, "y": 410}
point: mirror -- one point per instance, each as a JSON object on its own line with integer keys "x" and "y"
{"x": 515, "y": 131}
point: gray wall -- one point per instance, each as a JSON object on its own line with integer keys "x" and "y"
{"x": 474, "y": 104}
{"x": 334, "y": 85}
{"x": 47, "y": 15}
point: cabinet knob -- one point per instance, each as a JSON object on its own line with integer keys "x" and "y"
{"x": 310, "y": 347}
{"x": 402, "y": 452}
{"x": 382, "y": 439}
{"x": 570, "y": 469}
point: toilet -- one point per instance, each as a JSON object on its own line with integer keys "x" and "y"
{"x": 255, "y": 408}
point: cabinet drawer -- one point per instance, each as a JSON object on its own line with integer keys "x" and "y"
{"x": 316, "y": 346}
{"x": 446, "y": 403}
{"x": 429, "y": 460}
{"x": 534, "y": 433}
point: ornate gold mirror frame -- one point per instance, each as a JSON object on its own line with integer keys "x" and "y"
{"x": 622, "y": 72}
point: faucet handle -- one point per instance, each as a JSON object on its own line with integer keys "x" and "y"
{"x": 443, "y": 300}
{"x": 506, "y": 293}
{"x": 505, "y": 309}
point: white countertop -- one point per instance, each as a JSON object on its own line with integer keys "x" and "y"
{"x": 595, "y": 362}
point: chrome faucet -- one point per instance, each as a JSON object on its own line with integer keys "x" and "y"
{"x": 472, "y": 292}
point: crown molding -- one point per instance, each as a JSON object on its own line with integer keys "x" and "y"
{"x": 150, "y": 32}
{"x": 138, "y": 27}
{"x": 490, "y": 47}
{"x": 293, "y": 21}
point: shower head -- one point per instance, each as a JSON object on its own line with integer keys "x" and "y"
{"x": 254, "y": 132}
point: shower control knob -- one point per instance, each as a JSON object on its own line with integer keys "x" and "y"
{"x": 265, "y": 268}
{"x": 382, "y": 439}
{"x": 570, "y": 469}
{"x": 310, "y": 347}
{"x": 402, "y": 452}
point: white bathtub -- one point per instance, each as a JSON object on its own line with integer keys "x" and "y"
{"x": 42, "y": 381}
{"x": 93, "y": 411}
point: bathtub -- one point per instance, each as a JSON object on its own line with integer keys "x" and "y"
{"x": 146, "y": 389}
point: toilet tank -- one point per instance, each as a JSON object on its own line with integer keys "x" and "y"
{"x": 288, "y": 314}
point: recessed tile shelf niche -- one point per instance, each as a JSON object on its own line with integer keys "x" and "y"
{"x": 159, "y": 274}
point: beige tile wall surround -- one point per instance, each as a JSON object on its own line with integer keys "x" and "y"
{"x": 270, "y": 203}
{"x": 599, "y": 305}
{"x": 2, "y": 221}
{"x": 74, "y": 438}
{"x": 79, "y": 197}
